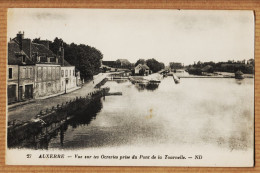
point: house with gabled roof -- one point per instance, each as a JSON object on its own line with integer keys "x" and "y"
{"x": 35, "y": 69}
{"x": 142, "y": 69}
{"x": 21, "y": 74}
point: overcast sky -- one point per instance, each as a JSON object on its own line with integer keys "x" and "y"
{"x": 167, "y": 35}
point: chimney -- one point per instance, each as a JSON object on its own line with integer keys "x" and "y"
{"x": 20, "y": 37}
{"x": 62, "y": 54}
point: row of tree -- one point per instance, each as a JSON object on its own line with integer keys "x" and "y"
{"x": 199, "y": 67}
{"x": 153, "y": 64}
{"x": 85, "y": 58}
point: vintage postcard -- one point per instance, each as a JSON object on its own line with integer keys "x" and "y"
{"x": 130, "y": 87}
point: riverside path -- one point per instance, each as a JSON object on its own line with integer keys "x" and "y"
{"x": 30, "y": 110}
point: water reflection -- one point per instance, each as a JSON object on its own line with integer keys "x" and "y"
{"x": 120, "y": 80}
{"x": 197, "y": 111}
{"x": 82, "y": 117}
{"x": 87, "y": 114}
{"x": 149, "y": 86}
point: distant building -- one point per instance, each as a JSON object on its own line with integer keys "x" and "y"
{"x": 207, "y": 69}
{"x": 120, "y": 63}
{"x": 124, "y": 63}
{"x": 113, "y": 64}
{"x": 142, "y": 69}
{"x": 251, "y": 61}
{"x": 176, "y": 65}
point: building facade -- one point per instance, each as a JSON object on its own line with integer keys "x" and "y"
{"x": 34, "y": 71}
{"x": 21, "y": 70}
{"x": 12, "y": 83}
{"x": 47, "y": 80}
{"x": 26, "y": 82}
{"x": 68, "y": 78}
{"x": 141, "y": 69}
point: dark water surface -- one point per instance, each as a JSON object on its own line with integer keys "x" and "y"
{"x": 211, "y": 111}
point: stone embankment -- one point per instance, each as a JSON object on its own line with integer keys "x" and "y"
{"x": 50, "y": 120}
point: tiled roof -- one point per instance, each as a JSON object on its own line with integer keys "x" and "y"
{"x": 143, "y": 66}
{"x": 66, "y": 63}
{"x": 124, "y": 61}
{"x": 42, "y": 50}
{"x": 13, "y": 55}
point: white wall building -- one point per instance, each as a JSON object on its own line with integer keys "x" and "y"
{"x": 68, "y": 77}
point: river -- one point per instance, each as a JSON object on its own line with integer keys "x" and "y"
{"x": 195, "y": 112}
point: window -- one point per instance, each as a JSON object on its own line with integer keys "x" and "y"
{"x": 23, "y": 58}
{"x": 10, "y": 74}
{"x": 26, "y": 72}
{"x": 52, "y": 59}
{"x": 57, "y": 73}
{"x": 62, "y": 73}
{"x": 44, "y": 73}
{"x": 43, "y": 59}
{"x": 73, "y": 72}
{"x": 23, "y": 73}
{"x": 39, "y": 73}
{"x": 66, "y": 73}
{"x": 29, "y": 72}
{"x": 49, "y": 73}
{"x": 53, "y": 73}
{"x": 70, "y": 72}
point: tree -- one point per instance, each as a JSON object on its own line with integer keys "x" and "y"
{"x": 140, "y": 61}
{"x": 85, "y": 58}
{"x": 154, "y": 65}
{"x": 162, "y": 65}
{"x": 55, "y": 45}
{"x": 175, "y": 65}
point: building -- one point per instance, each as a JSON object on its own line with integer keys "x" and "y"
{"x": 120, "y": 63}
{"x": 68, "y": 77}
{"x": 251, "y": 61}
{"x": 113, "y": 64}
{"x": 21, "y": 71}
{"x": 48, "y": 69}
{"x": 124, "y": 63}
{"x": 207, "y": 69}
{"x": 176, "y": 65}
{"x": 68, "y": 73}
{"x": 33, "y": 69}
{"x": 142, "y": 69}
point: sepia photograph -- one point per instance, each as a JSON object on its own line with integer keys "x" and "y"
{"x": 130, "y": 87}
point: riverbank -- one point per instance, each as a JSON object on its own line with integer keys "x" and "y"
{"x": 153, "y": 78}
{"x": 50, "y": 120}
{"x": 22, "y": 113}
{"x": 213, "y": 75}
